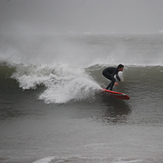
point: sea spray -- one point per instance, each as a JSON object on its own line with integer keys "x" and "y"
{"x": 63, "y": 83}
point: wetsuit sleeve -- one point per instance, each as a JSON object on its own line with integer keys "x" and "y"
{"x": 116, "y": 73}
{"x": 118, "y": 77}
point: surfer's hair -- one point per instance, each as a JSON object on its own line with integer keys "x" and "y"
{"x": 120, "y": 66}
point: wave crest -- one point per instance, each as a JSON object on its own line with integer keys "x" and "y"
{"x": 63, "y": 83}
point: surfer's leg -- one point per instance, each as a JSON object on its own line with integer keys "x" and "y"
{"x": 108, "y": 76}
{"x": 108, "y": 86}
{"x": 112, "y": 83}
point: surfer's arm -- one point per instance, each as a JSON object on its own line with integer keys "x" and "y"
{"x": 118, "y": 77}
{"x": 116, "y": 73}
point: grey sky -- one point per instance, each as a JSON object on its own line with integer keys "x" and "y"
{"x": 81, "y": 16}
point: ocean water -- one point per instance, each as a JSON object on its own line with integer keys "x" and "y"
{"x": 52, "y": 108}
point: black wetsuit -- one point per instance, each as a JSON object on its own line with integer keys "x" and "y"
{"x": 109, "y": 74}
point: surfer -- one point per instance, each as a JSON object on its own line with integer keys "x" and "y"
{"x": 109, "y": 73}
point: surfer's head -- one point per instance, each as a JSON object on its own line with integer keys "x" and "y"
{"x": 120, "y": 67}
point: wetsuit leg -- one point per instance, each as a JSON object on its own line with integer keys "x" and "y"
{"x": 108, "y": 86}
{"x": 112, "y": 83}
{"x": 110, "y": 77}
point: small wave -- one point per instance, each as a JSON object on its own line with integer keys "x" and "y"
{"x": 82, "y": 159}
{"x": 64, "y": 83}
{"x": 45, "y": 160}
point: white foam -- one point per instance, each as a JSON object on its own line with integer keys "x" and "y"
{"x": 70, "y": 85}
{"x": 31, "y": 76}
{"x": 76, "y": 89}
{"x": 63, "y": 83}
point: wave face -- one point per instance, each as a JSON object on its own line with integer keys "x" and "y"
{"x": 69, "y": 67}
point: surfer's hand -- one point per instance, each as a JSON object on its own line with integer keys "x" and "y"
{"x": 116, "y": 84}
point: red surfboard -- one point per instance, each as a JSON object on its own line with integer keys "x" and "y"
{"x": 118, "y": 95}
